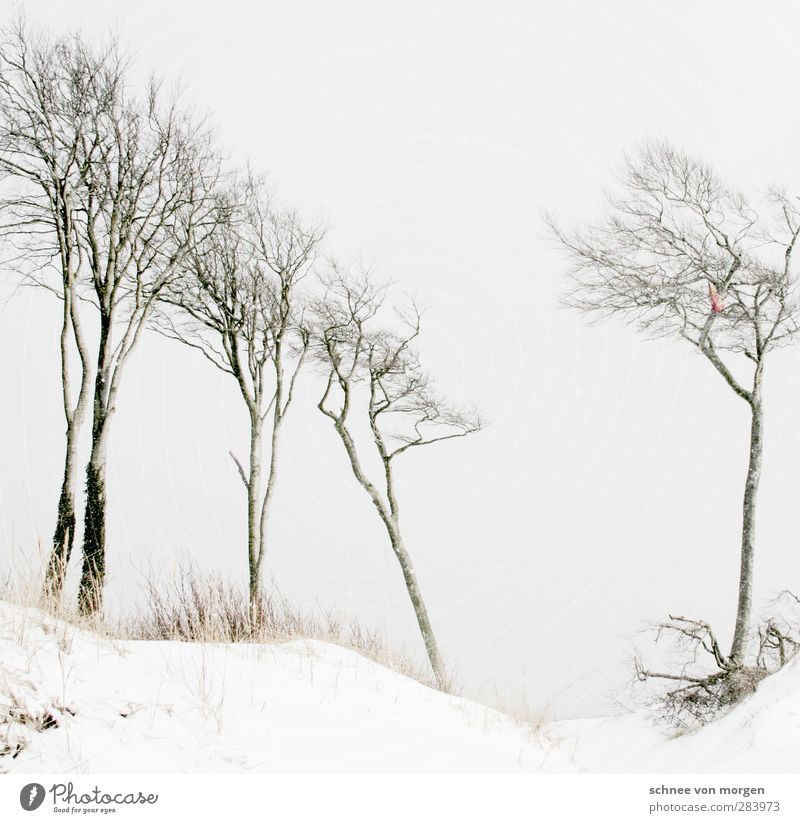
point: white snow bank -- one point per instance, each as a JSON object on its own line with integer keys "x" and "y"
{"x": 762, "y": 734}
{"x": 138, "y": 706}
{"x": 134, "y": 706}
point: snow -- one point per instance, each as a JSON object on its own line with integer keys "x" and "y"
{"x": 760, "y": 735}
{"x": 138, "y": 706}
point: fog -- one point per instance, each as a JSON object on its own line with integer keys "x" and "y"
{"x": 606, "y": 491}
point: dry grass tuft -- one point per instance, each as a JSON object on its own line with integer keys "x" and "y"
{"x": 201, "y": 608}
{"x": 194, "y": 607}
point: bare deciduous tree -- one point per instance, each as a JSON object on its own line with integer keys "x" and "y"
{"x": 240, "y": 305}
{"x": 374, "y": 372}
{"x": 50, "y": 93}
{"x": 146, "y": 200}
{"x": 683, "y": 254}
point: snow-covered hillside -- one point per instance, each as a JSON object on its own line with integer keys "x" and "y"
{"x": 762, "y": 734}
{"x": 298, "y": 706}
{"x": 83, "y": 703}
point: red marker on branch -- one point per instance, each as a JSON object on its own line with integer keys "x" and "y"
{"x": 716, "y": 300}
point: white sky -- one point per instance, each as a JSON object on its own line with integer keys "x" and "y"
{"x": 607, "y": 490}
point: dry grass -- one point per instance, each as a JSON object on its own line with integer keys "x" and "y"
{"x": 195, "y": 607}
{"x": 23, "y": 585}
{"x": 202, "y": 608}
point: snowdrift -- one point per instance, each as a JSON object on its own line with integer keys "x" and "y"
{"x": 761, "y": 734}
{"x": 73, "y": 701}
{"x": 84, "y": 703}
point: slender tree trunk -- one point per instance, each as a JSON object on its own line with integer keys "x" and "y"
{"x": 739, "y": 646}
{"x": 90, "y": 592}
{"x": 64, "y": 536}
{"x": 266, "y": 503}
{"x": 420, "y": 610}
{"x": 396, "y": 540}
{"x": 253, "y": 514}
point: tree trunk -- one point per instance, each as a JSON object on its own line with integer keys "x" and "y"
{"x": 253, "y": 525}
{"x": 90, "y": 592}
{"x": 266, "y": 503}
{"x": 739, "y": 646}
{"x": 64, "y": 536}
{"x": 420, "y": 611}
{"x": 393, "y": 529}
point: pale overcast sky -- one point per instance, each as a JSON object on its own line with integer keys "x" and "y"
{"x": 432, "y": 135}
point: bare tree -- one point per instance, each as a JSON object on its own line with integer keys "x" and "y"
{"x": 240, "y": 305}
{"x": 373, "y": 372}
{"x": 146, "y": 200}
{"x": 50, "y": 92}
{"x": 682, "y": 254}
